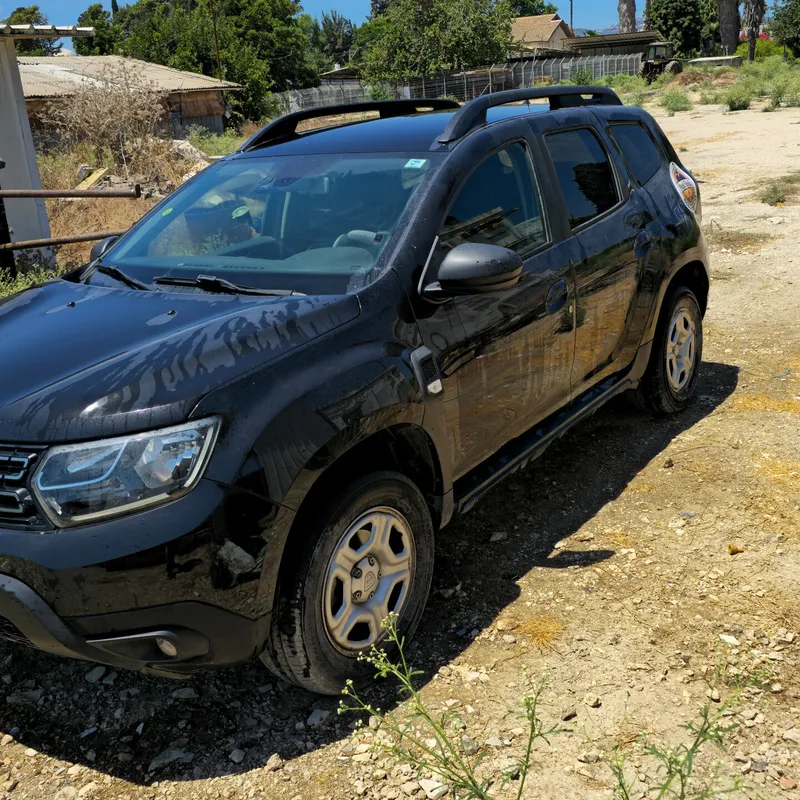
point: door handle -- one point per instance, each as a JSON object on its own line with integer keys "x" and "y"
{"x": 557, "y": 297}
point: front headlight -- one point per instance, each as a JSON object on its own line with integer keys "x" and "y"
{"x": 78, "y": 483}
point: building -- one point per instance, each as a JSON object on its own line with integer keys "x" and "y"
{"x": 615, "y": 44}
{"x": 542, "y": 32}
{"x": 192, "y": 99}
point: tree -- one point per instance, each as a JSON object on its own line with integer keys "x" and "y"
{"x": 786, "y": 25}
{"x": 627, "y": 15}
{"x": 753, "y": 17}
{"x": 262, "y": 44}
{"x": 532, "y": 8}
{"x": 729, "y": 26}
{"x": 318, "y": 61}
{"x": 378, "y": 7}
{"x": 104, "y": 41}
{"x": 709, "y": 19}
{"x": 30, "y": 15}
{"x": 336, "y": 37}
{"x": 114, "y": 7}
{"x": 678, "y": 21}
{"x": 424, "y": 37}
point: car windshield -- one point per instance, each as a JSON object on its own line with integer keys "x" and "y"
{"x": 315, "y": 224}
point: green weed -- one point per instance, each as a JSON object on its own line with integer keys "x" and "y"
{"x": 675, "y": 99}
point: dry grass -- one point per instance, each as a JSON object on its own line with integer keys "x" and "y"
{"x": 736, "y": 241}
{"x": 763, "y": 402}
{"x": 786, "y": 473}
{"x": 542, "y": 629}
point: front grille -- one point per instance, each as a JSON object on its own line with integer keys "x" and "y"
{"x": 17, "y": 508}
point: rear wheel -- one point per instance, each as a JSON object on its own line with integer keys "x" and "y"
{"x": 674, "y": 67}
{"x": 671, "y": 378}
{"x": 369, "y": 553}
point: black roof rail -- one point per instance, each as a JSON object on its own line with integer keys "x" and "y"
{"x": 286, "y": 127}
{"x": 473, "y": 114}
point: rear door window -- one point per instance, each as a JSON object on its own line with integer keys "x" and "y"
{"x": 638, "y": 149}
{"x": 584, "y": 173}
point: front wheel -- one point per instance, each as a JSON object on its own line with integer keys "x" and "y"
{"x": 368, "y": 553}
{"x": 671, "y": 377}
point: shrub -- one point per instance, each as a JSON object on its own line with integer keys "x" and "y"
{"x": 738, "y": 97}
{"x": 636, "y": 99}
{"x": 214, "y": 144}
{"x": 675, "y": 99}
{"x": 582, "y": 77}
{"x": 24, "y": 280}
{"x": 708, "y": 98}
{"x": 764, "y": 49}
{"x": 774, "y": 193}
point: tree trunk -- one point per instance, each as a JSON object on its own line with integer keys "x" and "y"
{"x": 728, "y": 25}
{"x": 753, "y": 16}
{"x": 627, "y": 16}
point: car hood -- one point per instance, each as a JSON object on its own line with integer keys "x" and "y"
{"x": 81, "y": 362}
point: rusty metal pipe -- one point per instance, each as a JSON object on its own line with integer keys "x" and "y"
{"x": 80, "y": 237}
{"x": 136, "y": 192}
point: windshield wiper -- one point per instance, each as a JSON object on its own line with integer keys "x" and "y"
{"x": 211, "y": 283}
{"x": 122, "y": 277}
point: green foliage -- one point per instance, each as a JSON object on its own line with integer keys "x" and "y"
{"x": 678, "y": 777}
{"x": 262, "y": 44}
{"x": 679, "y": 21}
{"x": 675, "y": 99}
{"x": 532, "y": 8}
{"x": 317, "y": 61}
{"x": 624, "y": 84}
{"x": 708, "y": 98}
{"x": 765, "y": 48}
{"x": 31, "y": 15}
{"x": 24, "y": 280}
{"x": 786, "y": 25}
{"x": 425, "y": 37}
{"x": 778, "y": 191}
{"x": 105, "y": 38}
{"x": 213, "y": 144}
{"x": 582, "y": 77}
{"x": 709, "y": 25}
{"x": 738, "y": 97}
{"x": 336, "y": 37}
{"x": 437, "y": 743}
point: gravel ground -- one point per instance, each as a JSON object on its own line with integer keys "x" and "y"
{"x": 637, "y": 569}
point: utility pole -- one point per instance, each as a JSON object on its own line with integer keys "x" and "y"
{"x": 216, "y": 41}
{"x": 571, "y": 26}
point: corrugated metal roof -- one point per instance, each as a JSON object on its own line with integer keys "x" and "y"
{"x": 60, "y": 76}
{"x": 637, "y": 37}
{"x": 43, "y": 31}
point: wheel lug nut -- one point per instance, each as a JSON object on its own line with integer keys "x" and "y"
{"x": 357, "y": 595}
{"x": 372, "y": 595}
{"x": 371, "y": 561}
{"x": 356, "y": 573}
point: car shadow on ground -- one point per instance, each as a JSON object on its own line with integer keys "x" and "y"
{"x": 120, "y": 724}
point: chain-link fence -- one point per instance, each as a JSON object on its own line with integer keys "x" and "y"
{"x": 468, "y": 84}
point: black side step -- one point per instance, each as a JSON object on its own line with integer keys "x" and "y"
{"x": 519, "y": 452}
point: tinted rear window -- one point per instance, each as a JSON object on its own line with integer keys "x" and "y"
{"x": 584, "y": 173}
{"x": 638, "y": 149}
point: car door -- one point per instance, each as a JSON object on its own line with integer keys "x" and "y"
{"x": 610, "y": 220}
{"x": 506, "y": 357}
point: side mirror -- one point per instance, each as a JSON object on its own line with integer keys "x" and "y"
{"x": 476, "y": 269}
{"x": 99, "y": 248}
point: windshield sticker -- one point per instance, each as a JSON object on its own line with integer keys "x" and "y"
{"x": 166, "y": 212}
{"x": 416, "y": 163}
{"x": 240, "y": 212}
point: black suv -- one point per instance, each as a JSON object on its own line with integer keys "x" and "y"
{"x": 238, "y": 429}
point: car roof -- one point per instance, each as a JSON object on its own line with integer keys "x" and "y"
{"x": 403, "y": 134}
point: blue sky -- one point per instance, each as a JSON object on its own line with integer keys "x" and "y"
{"x": 588, "y": 13}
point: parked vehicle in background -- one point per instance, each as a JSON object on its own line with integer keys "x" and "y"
{"x": 237, "y": 430}
{"x": 660, "y": 59}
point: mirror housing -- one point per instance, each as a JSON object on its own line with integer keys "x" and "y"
{"x": 99, "y": 248}
{"x": 472, "y": 268}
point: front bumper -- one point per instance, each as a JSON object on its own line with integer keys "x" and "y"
{"x": 203, "y": 636}
{"x": 189, "y": 572}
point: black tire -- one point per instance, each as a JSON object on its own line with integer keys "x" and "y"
{"x": 656, "y": 393}
{"x": 299, "y": 648}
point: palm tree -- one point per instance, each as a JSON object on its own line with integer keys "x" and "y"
{"x": 728, "y": 11}
{"x": 627, "y": 16}
{"x": 753, "y": 16}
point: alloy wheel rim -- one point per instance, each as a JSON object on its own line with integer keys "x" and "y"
{"x": 369, "y": 577}
{"x": 681, "y": 350}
